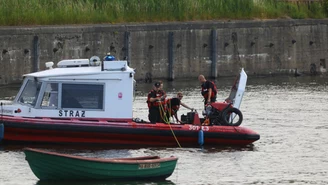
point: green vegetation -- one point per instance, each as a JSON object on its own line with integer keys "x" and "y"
{"x": 50, "y": 12}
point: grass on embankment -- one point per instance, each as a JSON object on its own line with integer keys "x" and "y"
{"x": 51, "y": 12}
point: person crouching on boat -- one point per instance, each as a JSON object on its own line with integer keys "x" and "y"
{"x": 173, "y": 105}
{"x": 109, "y": 57}
{"x": 156, "y": 102}
{"x": 180, "y": 96}
{"x": 209, "y": 90}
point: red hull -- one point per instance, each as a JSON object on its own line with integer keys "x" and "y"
{"x": 121, "y": 133}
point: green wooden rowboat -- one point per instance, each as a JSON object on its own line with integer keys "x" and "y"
{"x": 55, "y": 166}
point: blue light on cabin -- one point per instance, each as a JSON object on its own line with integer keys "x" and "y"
{"x": 109, "y": 58}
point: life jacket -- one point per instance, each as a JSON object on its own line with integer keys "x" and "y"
{"x": 205, "y": 91}
{"x": 159, "y": 94}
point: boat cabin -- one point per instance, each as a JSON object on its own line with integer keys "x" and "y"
{"x": 78, "y": 88}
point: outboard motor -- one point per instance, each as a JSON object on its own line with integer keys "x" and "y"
{"x": 221, "y": 113}
{"x": 191, "y": 118}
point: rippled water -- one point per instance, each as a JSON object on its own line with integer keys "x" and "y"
{"x": 289, "y": 113}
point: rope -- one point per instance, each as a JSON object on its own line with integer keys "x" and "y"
{"x": 162, "y": 112}
{"x": 176, "y": 139}
{"x": 167, "y": 120}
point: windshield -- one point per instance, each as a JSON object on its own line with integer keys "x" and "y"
{"x": 30, "y": 93}
{"x": 50, "y": 96}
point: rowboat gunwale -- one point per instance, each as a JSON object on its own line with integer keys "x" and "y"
{"x": 130, "y": 160}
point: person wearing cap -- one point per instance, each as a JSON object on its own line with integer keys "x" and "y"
{"x": 109, "y": 57}
{"x": 155, "y": 101}
{"x": 161, "y": 88}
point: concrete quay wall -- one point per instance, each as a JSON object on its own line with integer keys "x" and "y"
{"x": 172, "y": 50}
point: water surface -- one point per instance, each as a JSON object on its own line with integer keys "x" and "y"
{"x": 289, "y": 113}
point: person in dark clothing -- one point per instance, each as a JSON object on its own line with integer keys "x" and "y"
{"x": 173, "y": 105}
{"x": 180, "y": 96}
{"x": 155, "y": 101}
{"x": 209, "y": 90}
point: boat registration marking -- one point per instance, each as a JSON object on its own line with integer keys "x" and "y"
{"x": 7, "y": 111}
{"x": 149, "y": 165}
{"x": 195, "y": 127}
{"x": 71, "y": 113}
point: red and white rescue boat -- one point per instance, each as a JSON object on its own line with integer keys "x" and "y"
{"x": 86, "y": 101}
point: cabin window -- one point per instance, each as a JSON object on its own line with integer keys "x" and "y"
{"x": 83, "y": 96}
{"x": 30, "y": 93}
{"x": 50, "y": 96}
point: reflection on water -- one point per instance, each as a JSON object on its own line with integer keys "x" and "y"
{"x": 289, "y": 113}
